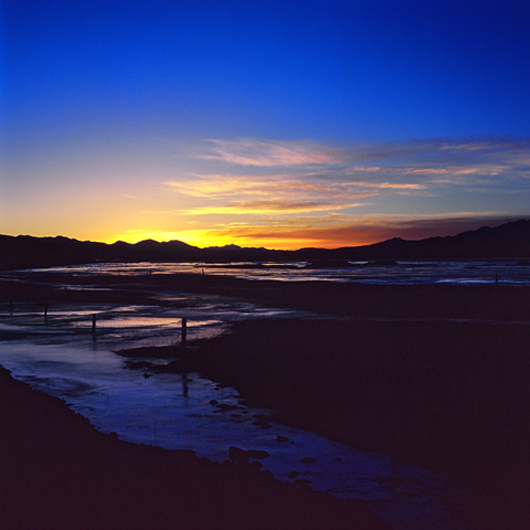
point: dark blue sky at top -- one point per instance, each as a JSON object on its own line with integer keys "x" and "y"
{"x": 281, "y": 123}
{"x": 361, "y": 71}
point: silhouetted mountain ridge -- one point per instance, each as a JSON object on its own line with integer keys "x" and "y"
{"x": 510, "y": 240}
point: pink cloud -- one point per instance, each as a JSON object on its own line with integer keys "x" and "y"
{"x": 268, "y": 153}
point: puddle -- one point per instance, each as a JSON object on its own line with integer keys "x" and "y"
{"x": 64, "y": 359}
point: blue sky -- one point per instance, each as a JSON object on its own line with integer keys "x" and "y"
{"x": 279, "y": 124}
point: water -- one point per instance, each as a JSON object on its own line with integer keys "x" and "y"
{"x": 463, "y": 272}
{"x": 58, "y": 354}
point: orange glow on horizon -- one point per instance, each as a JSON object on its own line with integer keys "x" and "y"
{"x": 212, "y": 238}
{"x": 278, "y": 238}
{"x": 327, "y": 233}
{"x": 204, "y": 239}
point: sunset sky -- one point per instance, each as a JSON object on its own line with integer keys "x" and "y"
{"x": 282, "y": 124}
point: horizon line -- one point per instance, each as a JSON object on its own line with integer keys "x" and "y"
{"x": 60, "y": 236}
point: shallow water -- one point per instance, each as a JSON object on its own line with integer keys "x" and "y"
{"x": 460, "y": 272}
{"x": 59, "y": 355}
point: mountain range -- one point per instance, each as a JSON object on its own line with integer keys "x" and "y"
{"x": 510, "y": 240}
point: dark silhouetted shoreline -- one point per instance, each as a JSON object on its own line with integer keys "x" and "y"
{"x": 510, "y": 239}
{"x": 58, "y": 472}
{"x": 433, "y": 375}
{"x": 451, "y": 397}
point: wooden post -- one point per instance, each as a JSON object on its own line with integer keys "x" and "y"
{"x": 45, "y": 312}
{"x": 94, "y": 324}
{"x": 184, "y": 332}
{"x": 183, "y": 346}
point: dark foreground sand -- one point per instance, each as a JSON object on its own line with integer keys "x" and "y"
{"x": 451, "y": 397}
{"x": 447, "y": 395}
{"x": 57, "y": 472}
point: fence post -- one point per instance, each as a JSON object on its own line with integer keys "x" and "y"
{"x": 183, "y": 346}
{"x": 184, "y": 332}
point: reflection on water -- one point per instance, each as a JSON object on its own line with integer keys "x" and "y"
{"x": 67, "y": 351}
{"x": 502, "y": 270}
{"x": 63, "y": 358}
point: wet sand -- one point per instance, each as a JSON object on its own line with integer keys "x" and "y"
{"x": 495, "y": 302}
{"x": 450, "y": 397}
{"x": 57, "y": 472}
{"x": 447, "y": 395}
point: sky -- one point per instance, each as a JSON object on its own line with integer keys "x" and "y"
{"x": 278, "y": 124}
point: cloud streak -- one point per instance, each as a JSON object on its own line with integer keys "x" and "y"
{"x": 271, "y": 207}
{"x": 337, "y": 231}
{"x": 439, "y": 152}
{"x": 412, "y": 164}
{"x": 293, "y": 193}
{"x": 268, "y": 153}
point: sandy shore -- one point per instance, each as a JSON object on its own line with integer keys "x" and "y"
{"x": 494, "y": 302}
{"x": 435, "y": 376}
{"x": 57, "y": 472}
{"x": 451, "y": 397}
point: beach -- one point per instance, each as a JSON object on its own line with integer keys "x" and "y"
{"x": 58, "y": 472}
{"x": 451, "y": 398}
{"x": 434, "y": 376}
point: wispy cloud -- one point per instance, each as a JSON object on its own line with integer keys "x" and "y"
{"x": 436, "y": 151}
{"x": 305, "y": 193}
{"x": 336, "y": 230}
{"x": 251, "y": 152}
{"x": 228, "y": 186}
{"x": 247, "y": 193}
{"x": 271, "y": 207}
{"x": 490, "y": 156}
{"x": 258, "y": 195}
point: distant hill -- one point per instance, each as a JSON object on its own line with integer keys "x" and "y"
{"x": 511, "y": 240}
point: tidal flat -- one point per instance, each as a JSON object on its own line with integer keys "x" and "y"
{"x": 432, "y": 376}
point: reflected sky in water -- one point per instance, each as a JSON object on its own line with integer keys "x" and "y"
{"x": 57, "y": 352}
{"x": 465, "y": 272}
{"x": 59, "y": 355}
